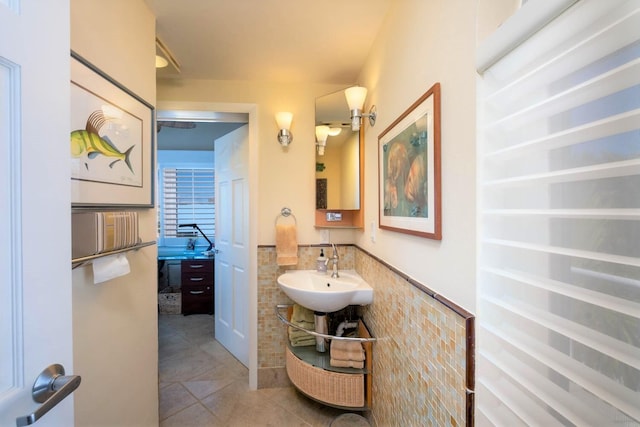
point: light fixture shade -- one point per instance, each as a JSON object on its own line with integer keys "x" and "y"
{"x": 355, "y": 97}
{"x": 335, "y": 131}
{"x": 283, "y": 119}
{"x": 161, "y": 62}
{"x": 322, "y": 132}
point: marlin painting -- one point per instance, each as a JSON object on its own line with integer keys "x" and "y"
{"x": 89, "y": 141}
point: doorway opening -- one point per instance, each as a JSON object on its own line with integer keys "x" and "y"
{"x": 232, "y": 126}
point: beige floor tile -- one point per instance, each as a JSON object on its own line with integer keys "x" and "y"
{"x": 312, "y": 412}
{"x": 173, "y": 399}
{"x": 188, "y": 365}
{"x": 202, "y": 389}
{"x": 194, "y": 416}
{"x": 202, "y": 384}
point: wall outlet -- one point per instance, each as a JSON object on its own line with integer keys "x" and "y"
{"x": 372, "y": 231}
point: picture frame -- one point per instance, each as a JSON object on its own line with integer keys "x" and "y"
{"x": 112, "y": 141}
{"x": 409, "y": 176}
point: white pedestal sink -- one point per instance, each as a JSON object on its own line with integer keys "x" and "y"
{"x": 322, "y": 293}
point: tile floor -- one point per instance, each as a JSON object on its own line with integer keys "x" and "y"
{"x": 202, "y": 384}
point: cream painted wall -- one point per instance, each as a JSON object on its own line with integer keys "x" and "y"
{"x": 421, "y": 43}
{"x": 115, "y": 323}
{"x": 286, "y": 177}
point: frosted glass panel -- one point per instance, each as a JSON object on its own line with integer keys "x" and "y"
{"x": 559, "y": 267}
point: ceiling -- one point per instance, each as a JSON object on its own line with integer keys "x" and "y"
{"x": 319, "y": 41}
{"x": 198, "y": 136}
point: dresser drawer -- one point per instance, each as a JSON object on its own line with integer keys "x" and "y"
{"x": 196, "y": 279}
{"x": 197, "y": 265}
{"x": 197, "y": 286}
{"x": 197, "y": 291}
{"x": 197, "y": 299}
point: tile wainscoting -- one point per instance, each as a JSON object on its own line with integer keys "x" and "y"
{"x": 423, "y": 359}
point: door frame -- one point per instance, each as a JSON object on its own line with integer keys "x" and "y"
{"x": 206, "y": 111}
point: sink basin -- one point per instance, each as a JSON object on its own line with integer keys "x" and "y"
{"x": 320, "y": 292}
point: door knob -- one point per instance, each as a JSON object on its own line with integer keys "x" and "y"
{"x": 50, "y": 388}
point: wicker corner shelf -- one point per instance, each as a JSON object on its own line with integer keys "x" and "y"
{"x": 311, "y": 373}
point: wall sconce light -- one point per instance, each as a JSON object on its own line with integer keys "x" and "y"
{"x": 283, "y": 119}
{"x": 322, "y": 132}
{"x": 161, "y": 62}
{"x": 355, "y": 98}
{"x": 335, "y": 131}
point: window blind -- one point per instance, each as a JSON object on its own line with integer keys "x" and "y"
{"x": 188, "y": 196}
{"x": 558, "y": 325}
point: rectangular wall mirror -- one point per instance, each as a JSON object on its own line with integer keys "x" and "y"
{"x": 338, "y": 163}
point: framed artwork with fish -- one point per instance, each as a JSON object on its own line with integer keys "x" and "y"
{"x": 409, "y": 170}
{"x": 111, "y": 141}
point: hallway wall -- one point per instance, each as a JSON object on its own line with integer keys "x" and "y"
{"x": 115, "y": 323}
{"x": 422, "y": 43}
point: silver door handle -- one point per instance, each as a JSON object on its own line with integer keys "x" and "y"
{"x": 50, "y": 388}
{"x": 196, "y": 279}
{"x": 196, "y": 292}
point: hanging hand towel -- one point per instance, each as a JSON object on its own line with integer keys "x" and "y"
{"x": 286, "y": 244}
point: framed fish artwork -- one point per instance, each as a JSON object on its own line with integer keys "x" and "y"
{"x": 409, "y": 170}
{"x": 111, "y": 141}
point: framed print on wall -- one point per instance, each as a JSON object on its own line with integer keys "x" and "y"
{"x": 409, "y": 170}
{"x": 112, "y": 140}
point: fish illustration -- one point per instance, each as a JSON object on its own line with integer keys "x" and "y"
{"x": 89, "y": 141}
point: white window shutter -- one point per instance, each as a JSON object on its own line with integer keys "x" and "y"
{"x": 559, "y": 204}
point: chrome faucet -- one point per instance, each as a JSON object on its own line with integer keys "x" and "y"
{"x": 334, "y": 258}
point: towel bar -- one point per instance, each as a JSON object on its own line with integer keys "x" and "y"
{"x": 284, "y": 320}
{"x": 285, "y": 213}
{"x": 77, "y": 262}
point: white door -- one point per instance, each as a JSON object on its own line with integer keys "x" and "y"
{"x": 35, "y": 248}
{"x": 232, "y": 243}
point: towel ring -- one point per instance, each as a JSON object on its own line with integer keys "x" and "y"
{"x": 285, "y": 213}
